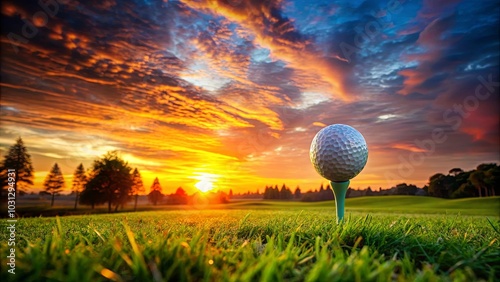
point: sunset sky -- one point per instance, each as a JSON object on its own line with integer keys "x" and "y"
{"x": 231, "y": 92}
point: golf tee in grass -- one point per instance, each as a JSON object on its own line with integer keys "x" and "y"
{"x": 340, "y": 190}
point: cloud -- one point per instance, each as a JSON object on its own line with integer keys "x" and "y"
{"x": 433, "y": 44}
{"x": 239, "y": 88}
{"x": 271, "y": 30}
{"x": 408, "y": 147}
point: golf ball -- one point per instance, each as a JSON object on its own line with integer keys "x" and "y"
{"x": 338, "y": 152}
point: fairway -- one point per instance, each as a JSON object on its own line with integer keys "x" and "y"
{"x": 392, "y": 204}
{"x": 375, "y": 204}
{"x": 267, "y": 241}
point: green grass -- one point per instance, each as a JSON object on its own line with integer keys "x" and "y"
{"x": 266, "y": 241}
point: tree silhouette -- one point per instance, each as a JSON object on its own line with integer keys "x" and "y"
{"x": 283, "y": 193}
{"x": 137, "y": 186}
{"x": 19, "y": 160}
{"x": 493, "y": 180}
{"x": 180, "y": 192}
{"x": 455, "y": 171}
{"x": 297, "y": 194}
{"x": 79, "y": 181}
{"x": 91, "y": 195}
{"x": 275, "y": 193}
{"x": 180, "y": 197}
{"x": 267, "y": 193}
{"x": 369, "y": 191}
{"x": 438, "y": 185}
{"x": 54, "y": 182}
{"x": 464, "y": 190}
{"x": 156, "y": 192}
{"x": 324, "y": 194}
{"x": 110, "y": 181}
{"x": 477, "y": 179}
{"x": 405, "y": 189}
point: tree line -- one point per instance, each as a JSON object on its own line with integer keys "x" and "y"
{"x": 484, "y": 181}
{"x": 112, "y": 181}
{"x": 285, "y": 193}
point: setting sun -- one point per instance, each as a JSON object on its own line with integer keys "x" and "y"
{"x": 204, "y": 185}
{"x": 206, "y": 182}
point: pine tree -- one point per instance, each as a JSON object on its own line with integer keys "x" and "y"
{"x": 137, "y": 186}
{"x": 156, "y": 192}
{"x": 18, "y": 160}
{"x": 275, "y": 193}
{"x": 297, "y": 193}
{"x": 79, "y": 181}
{"x": 283, "y": 194}
{"x": 54, "y": 182}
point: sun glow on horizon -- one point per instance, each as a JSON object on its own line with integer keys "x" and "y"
{"x": 206, "y": 182}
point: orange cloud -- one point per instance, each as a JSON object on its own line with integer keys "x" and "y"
{"x": 480, "y": 122}
{"x": 317, "y": 123}
{"x": 408, "y": 147}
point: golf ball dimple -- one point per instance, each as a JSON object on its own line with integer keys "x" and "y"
{"x": 338, "y": 152}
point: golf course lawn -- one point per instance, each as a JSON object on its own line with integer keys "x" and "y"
{"x": 392, "y": 204}
{"x": 388, "y": 238}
